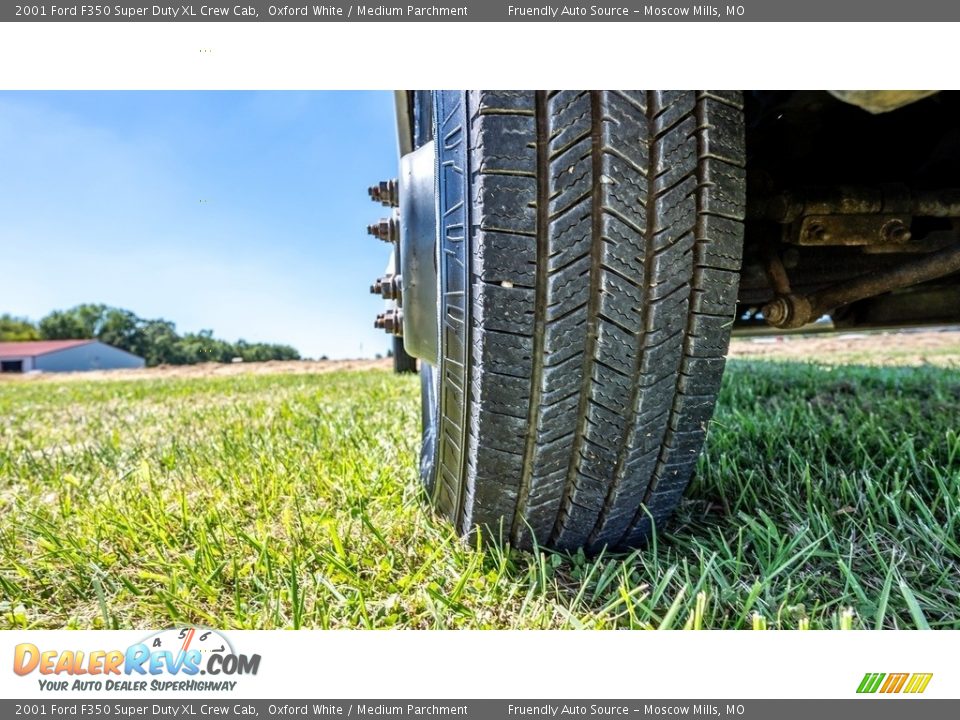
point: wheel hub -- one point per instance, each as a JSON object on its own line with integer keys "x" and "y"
{"x": 418, "y": 253}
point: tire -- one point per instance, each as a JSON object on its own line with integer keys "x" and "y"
{"x": 585, "y": 314}
{"x": 402, "y": 362}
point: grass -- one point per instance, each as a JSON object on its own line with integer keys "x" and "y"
{"x": 827, "y": 498}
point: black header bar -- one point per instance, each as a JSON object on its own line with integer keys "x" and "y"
{"x": 488, "y": 11}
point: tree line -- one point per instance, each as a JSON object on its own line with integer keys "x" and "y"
{"x": 157, "y": 341}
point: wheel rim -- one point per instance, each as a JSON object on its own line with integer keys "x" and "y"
{"x": 436, "y": 241}
{"x": 418, "y": 250}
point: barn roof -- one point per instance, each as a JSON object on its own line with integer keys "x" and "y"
{"x": 32, "y": 348}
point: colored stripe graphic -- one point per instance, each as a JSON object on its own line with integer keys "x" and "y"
{"x": 894, "y": 683}
{"x": 918, "y": 682}
{"x": 870, "y": 682}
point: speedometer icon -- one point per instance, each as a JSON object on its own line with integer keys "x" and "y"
{"x": 182, "y": 640}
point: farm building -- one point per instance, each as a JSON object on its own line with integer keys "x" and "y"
{"x": 64, "y": 356}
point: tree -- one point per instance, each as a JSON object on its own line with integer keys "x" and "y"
{"x": 17, "y": 328}
{"x": 162, "y": 343}
{"x": 60, "y": 325}
{"x": 261, "y": 352}
{"x": 78, "y": 323}
{"x": 156, "y": 341}
{"x": 122, "y": 329}
{"x": 203, "y": 347}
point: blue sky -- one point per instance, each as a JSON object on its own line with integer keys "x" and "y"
{"x": 241, "y": 212}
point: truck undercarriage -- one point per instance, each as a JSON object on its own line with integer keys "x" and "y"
{"x": 850, "y": 214}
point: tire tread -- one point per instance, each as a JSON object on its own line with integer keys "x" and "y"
{"x": 606, "y": 231}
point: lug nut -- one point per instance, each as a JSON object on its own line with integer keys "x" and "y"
{"x": 386, "y": 192}
{"x": 390, "y": 322}
{"x": 387, "y": 229}
{"x": 388, "y": 287}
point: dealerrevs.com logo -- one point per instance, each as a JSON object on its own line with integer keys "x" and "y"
{"x": 168, "y": 660}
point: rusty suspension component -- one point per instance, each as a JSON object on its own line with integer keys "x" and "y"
{"x": 789, "y": 206}
{"x": 878, "y": 218}
{"x": 855, "y": 216}
{"x": 792, "y": 311}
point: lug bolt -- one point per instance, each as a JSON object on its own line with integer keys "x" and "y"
{"x": 386, "y": 192}
{"x": 388, "y": 287}
{"x": 390, "y": 322}
{"x": 387, "y": 229}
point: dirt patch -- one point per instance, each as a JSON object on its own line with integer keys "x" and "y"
{"x": 208, "y": 370}
{"x": 927, "y": 347}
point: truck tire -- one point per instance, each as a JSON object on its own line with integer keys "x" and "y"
{"x": 589, "y": 254}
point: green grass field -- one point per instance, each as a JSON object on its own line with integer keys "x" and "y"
{"x": 827, "y": 498}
